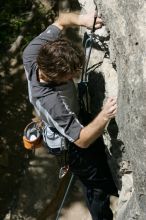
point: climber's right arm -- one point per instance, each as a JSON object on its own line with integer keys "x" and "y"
{"x": 93, "y": 130}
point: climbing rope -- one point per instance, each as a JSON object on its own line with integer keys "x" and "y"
{"x": 65, "y": 195}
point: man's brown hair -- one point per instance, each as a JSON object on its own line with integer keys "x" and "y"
{"x": 59, "y": 59}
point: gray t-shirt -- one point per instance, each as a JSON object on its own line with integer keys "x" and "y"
{"x": 56, "y": 105}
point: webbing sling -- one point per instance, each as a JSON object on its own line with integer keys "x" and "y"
{"x": 83, "y": 92}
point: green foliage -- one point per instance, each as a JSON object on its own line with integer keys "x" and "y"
{"x": 13, "y": 16}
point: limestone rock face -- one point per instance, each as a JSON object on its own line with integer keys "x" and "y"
{"x": 117, "y": 68}
{"x": 123, "y": 71}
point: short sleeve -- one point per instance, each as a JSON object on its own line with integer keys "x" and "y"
{"x": 57, "y": 114}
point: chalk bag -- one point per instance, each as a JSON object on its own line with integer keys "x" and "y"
{"x": 32, "y": 137}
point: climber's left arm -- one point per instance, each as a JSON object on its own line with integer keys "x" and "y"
{"x": 71, "y": 19}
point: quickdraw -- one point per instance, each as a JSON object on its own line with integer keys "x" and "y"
{"x": 83, "y": 84}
